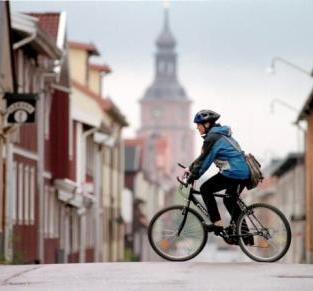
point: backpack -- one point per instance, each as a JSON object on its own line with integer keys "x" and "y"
{"x": 256, "y": 175}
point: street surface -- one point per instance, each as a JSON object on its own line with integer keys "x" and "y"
{"x": 163, "y": 276}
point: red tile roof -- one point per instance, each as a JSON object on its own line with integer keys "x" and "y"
{"x": 104, "y": 104}
{"x": 100, "y": 68}
{"x": 48, "y": 22}
{"x": 90, "y": 47}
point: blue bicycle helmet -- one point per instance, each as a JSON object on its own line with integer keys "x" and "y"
{"x": 204, "y": 116}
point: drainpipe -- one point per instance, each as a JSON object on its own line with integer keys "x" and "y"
{"x": 82, "y": 212}
{"x": 9, "y": 204}
{"x": 97, "y": 186}
{"x": 41, "y": 163}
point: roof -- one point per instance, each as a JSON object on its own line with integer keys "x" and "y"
{"x": 100, "y": 68}
{"x": 307, "y": 108}
{"x": 106, "y": 104}
{"x": 26, "y": 25}
{"x": 115, "y": 112}
{"x": 90, "y": 47}
{"x": 49, "y": 22}
{"x": 292, "y": 160}
{"x": 54, "y": 24}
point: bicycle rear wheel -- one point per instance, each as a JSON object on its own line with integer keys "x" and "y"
{"x": 165, "y": 240}
{"x": 264, "y": 233}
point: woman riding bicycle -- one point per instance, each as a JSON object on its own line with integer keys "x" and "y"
{"x": 233, "y": 169}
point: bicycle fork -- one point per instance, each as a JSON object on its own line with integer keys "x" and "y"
{"x": 184, "y": 213}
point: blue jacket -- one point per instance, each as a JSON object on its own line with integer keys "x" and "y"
{"x": 218, "y": 149}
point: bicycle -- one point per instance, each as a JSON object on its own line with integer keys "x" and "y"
{"x": 179, "y": 233}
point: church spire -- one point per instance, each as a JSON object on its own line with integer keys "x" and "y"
{"x": 166, "y": 20}
{"x": 166, "y": 38}
{"x": 165, "y": 84}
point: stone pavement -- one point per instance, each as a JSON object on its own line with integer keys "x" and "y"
{"x": 163, "y": 276}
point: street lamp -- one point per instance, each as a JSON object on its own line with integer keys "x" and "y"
{"x": 271, "y": 69}
{"x": 283, "y": 103}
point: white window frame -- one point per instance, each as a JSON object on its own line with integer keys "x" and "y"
{"x": 14, "y": 193}
{"x": 26, "y": 193}
{"x": 20, "y": 193}
{"x": 32, "y": 195}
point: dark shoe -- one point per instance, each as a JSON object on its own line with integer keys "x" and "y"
{"x": 229, "y": 236}
{"x": 214, "y": 228}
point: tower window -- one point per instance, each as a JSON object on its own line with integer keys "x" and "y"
{"x": 170, "y": 69}
{"x": 161, "y": 67}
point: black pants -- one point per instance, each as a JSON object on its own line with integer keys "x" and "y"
{"x": 217, "y": 183}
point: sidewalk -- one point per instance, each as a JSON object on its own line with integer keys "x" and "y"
{"x": 158, "y": 276}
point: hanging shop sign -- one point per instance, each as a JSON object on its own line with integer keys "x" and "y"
{"x": 21, "y": 108}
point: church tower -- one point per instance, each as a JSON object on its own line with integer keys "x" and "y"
{"x": 165, "y": 114}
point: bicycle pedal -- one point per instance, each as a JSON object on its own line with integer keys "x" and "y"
{"x": 213, "y": 228}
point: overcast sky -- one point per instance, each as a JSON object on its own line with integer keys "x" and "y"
{"x": 224, "y": 48}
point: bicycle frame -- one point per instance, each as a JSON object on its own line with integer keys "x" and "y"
{"x": 196, "y": 202}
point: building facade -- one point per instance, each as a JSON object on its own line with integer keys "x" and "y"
{"x": 283, "y": 187}
{"x": 306, "y": 115}
{"x": 97, "y": 127}
{"x": 27, "y": 177}
{"x": 64, "y": 173}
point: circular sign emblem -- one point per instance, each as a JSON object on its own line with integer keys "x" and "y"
{"x": 20, "y": 116}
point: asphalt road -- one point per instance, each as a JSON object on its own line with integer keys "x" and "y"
{"x": 158, "y": 276}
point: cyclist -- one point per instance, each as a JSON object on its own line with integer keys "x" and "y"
{"x": 233, "y": 170}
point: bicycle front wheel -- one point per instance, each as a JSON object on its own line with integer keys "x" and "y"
{"x": 264, "y": 233}
{"x": 168, "y": 242}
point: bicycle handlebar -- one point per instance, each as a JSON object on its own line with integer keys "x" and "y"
{"x": 181, "y": 165}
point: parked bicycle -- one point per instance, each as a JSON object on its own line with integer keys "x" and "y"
{"x": 179, "y": 233}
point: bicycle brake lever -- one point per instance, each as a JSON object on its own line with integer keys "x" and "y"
{"x": 181, "y": 182}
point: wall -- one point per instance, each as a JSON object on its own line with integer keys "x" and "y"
{"x": 78, "y": 65}
{"x": 94, "y": 83}
{"x": 309, "y": 189}
{"x": 291, "y": 201}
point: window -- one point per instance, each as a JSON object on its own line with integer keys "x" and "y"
{"x": 170, "y": 69}
{"x": 161, "y": 67}
{"x": 51, "y": 213}
{"x": 90, "y": 156}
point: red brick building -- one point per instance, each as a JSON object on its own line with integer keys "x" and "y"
{"x": 28, "y": 171}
